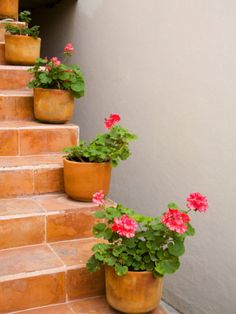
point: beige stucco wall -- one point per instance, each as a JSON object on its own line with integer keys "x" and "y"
{"x": 169, "y": 68}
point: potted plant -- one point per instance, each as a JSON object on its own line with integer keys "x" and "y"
{"x": 9, "y": 9}
{"x": 87, "y": 167}
{"x": 55, "y": 86}
{"x": 138, "y": 251}
{"x": 22, "y": 45}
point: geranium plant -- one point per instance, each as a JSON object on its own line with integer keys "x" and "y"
{"x": 134, "y": 242}
{"x": 112, "y": 146}
{"x": 27, "y": 31}
{"x": 56, "y": 74}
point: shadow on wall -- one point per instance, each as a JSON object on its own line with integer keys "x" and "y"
{"x": 29, "y": 4}
{"x": 50, "y": 18}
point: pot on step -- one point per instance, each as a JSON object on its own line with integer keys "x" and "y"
{"x": 83, "y": 179}
{"x": 135, "y": 292}
{"x": 53, "y": 105}
{"x": 21, "y": 50}
{"x": 9, "y": 8}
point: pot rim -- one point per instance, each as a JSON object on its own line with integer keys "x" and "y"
{"x": 52, "y": 89}
{"x": 23, "y": 36}
{"x": 87, "y": 163}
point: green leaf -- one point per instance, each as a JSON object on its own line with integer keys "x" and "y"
{"x": 167, "y": 266}
{"x": 173, "y": 206}
{"x": 98, "y": 230}
{"x": 176, "y": 248}
{"x": 190, "y": 231}
{"x": 77, "y": 87}
{"x": 93, "y": 264}
{"x": 121, "y": 270}
{"x": 100, "y": 214}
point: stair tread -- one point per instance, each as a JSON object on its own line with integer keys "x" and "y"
{"x": 14, "y": 67}
{"x": 31, "y": 160}
{"x": 34, "y": 125}
{"x": 42, "y": 204}
{"x": 15, "y": 93}
{"x": 95, "y": 305}
{"x": 40, "y": 259}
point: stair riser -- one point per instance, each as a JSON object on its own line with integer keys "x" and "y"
{"x": 2, "y": 53}
{"x": 31, "y": 292}
{"x": 15, "y": 108}
{"x": 27, "y": 182}
{"x": 32, "y": 141}
{"x": 14, "y": 79}
{"x": 48, "y": 289}
{"x": 23, "y": 230}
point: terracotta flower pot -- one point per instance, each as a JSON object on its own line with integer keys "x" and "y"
{"x": 21, "y": 50}
{"x": 83, "y": 179}
{"x": 135, "y": 292}
{"x": 3, "y": 23}
{"x": 53, "y": 105}
{"x": 9, "y": 8}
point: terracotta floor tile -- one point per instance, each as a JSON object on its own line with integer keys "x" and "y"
{"x": 19, "y": 206}
{"x": 75, "y": 252}
{"x": 14, "y": 77}
{"x": 32, "y": 160}
{"x": 72, "y": 224}
{"x": 21, "y": 231}
{"x": 16, "y": 106}
{"x": 8, "y": 142}
{"x": 61, "y": 202}
{"x": 16, "y": 183}
{"x": 82, "y": 284}
{"x": 92, "y": 306}
{"x": 28, "y": 259}
{"x": 99, "y": 305}
{"x": 53, "y": 309}
{"x": 32, "y": 292}
{"x": 48, "y": 180}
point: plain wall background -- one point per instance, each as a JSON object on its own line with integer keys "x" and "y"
{"x": 169, "y": 69}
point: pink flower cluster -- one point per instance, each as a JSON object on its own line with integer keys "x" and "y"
{"x": 197, "y": 202}
{"x": 112, "y": 120}
{"x": 98, "y": 198}
{"x": 69, "y": 48}
{"x": 125, "y": 226}
{"x": 55, "y": 61}
{"x": 176, "y": 220}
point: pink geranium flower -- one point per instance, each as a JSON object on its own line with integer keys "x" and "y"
{"x": 125, "y": 226}
{"x": 98, "y": 198}
{"x": 113, "y": 119}
{"x": 197, "y": 202}
{"x": 176, "y": 220}
{"x": 56, "y": 61}
{"x": 69, "y": 48}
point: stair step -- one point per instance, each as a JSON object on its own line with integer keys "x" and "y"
{"x": 45, "y": 274}
{"x": 50, "y": 218}
{"x": 31, "y": 137}
{"x": 14, "y": 77}
{"x": 94, "y": 305}
{"x": 38, "y": 178}
{"x": 2, "y": 27}
{"x": 16, "y": 105}
{"x": 2, "y": 53}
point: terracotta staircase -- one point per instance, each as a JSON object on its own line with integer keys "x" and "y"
{"x": 45, "y": 238}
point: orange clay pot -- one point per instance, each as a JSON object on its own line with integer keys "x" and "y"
{"x": 9, "y": 8}
{"x": 83, "y": 179}
{"x": 21, "y": 50}
{"x": 135, "y": 292}
{"x": 3, "y": 23}
{"x": 53, "y": 105}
